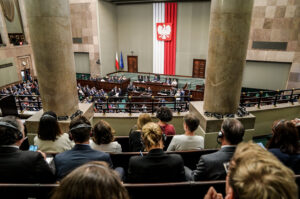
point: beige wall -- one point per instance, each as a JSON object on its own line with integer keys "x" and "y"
{"x": 135, "y": 33}
{"x": 14, "y": 26}
{"x": 192, "y": 35}
{"x": 277, "y": 21}
{"x": 84, "y": 23}
{"x": 108, "y": 36}
{"x": 266, "y": 75}
{"x": 8, "y": 75}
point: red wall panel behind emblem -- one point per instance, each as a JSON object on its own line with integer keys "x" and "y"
{"x": 164, "y": 31}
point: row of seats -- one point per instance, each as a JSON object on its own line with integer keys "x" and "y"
{"x": 180, "y": 190}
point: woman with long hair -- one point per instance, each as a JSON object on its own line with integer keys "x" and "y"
{"x": 284, "y": 144}
{"x": 50, "y": 138}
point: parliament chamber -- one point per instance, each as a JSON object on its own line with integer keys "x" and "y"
{"x": 140, "y": 80}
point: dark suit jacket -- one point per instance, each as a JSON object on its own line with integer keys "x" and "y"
{"x": 211, "y": 167}
{"x": 80, "y": 154}
{"x": 18, "y": 166}
{"x": 157, "y": 166}
{"x": 291, "y": 161}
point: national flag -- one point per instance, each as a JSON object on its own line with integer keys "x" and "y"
{"x": 117, "y": 61}
{"x": 121, "y": 61}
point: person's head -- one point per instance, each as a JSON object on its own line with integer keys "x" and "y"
{"x": 142, "y": 120}
{"x": 103, "y": 133}
{"x": 256, "y": 173}
{"x": 285, "y": 137}
{"x": 11, "y": 131}
{"x": 152, "y": 136}
{"x": 191, "y": 122}
{"x": 48, "y": 127}
{"x": 94, "y": 180}
{"x": 80, "y": 129}
{"x": 164, "y": 114}
{"x": 232, "y": 131}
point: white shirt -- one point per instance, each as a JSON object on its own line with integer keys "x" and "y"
{"x": 114, "y": 147}
{"x": 61, "y": 144}
{"x": 185, "y": 143}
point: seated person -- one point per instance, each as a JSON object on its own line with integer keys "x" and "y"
{"x": 92, "y": 180}
{"x": 140, "y": 78}
{"x": 156, "y": 166}
{"x": 164, "y": 115}
{"x": 187, "y": 141}
{"x": 174, "y": 82}
{"x": 49, "y": 138}
{"x": 255, "y": 173}
{"x": 211, "y": 166}
{"x": 18, "y": 166}
{"x": 284, "y": 144}
{"x": 156, "y": 78}
{"x": 81, "y": 153}
{"x": 147, "y": 79}
{"x": 102, "y": 138}
{"x": 135, "y": 140}
{"x": 149, "y": 90}
{"x": 168, "y": 81}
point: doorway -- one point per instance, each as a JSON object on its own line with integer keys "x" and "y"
{"x": 132, "y": 62}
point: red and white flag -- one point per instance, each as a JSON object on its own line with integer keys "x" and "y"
{"x": 117, "y": 61}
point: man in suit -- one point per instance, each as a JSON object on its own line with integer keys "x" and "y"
{"x": 212, "y": 166}
{"x": 81, "y": 153}
{"x": 18, "y": 166}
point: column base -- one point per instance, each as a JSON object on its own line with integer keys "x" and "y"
{"x": 32, "y": 123}
{"x": 210, "y": 126}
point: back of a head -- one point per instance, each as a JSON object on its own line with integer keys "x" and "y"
{"x": 48, "y": 127}
{"x": 233, "y": 130}
{"x": 191, "y": 121}
{"x": 142, "y": 120}
{"x": 103, "y": 133}
{"x": 164, "y": 114}
{"x": 94, "y": 180}
{"x": 151, "y": 134}
{"x": 10, "y": 135}
{"x": 285, "y": 137}
{"x": 256, "y": 173}
{"x": 80, "y": 129}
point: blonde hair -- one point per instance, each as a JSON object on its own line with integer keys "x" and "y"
{"x": 151, "y": 134}
{"x": 256, "y": 173}
{"x": 142, "y": 120}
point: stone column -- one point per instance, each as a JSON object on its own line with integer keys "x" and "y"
{"x": 3, "y": 30}
{"x": 228, "y": 40}
{"x": 51, "y": 39}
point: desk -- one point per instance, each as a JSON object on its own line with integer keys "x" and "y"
{"x": 106, "y": 86}
{"x": 155, "y": 86}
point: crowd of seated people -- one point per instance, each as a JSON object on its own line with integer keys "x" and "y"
{"x": 112, "y": 79}
{"x": 89, "y": 95}
{"x": 91, "y": 144}
{"x": 24, "y": 90}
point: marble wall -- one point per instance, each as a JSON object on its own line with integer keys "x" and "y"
{"x": 21, "y": 56}
{"x": 85, "y": 25}
{"x": 277, "y": 21}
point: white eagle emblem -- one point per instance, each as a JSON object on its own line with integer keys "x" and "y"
{"x": 164, "y": 31}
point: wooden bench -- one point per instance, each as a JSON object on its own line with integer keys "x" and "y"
{"x": 178, "y": 190}
{"x": 136, "y": 191}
